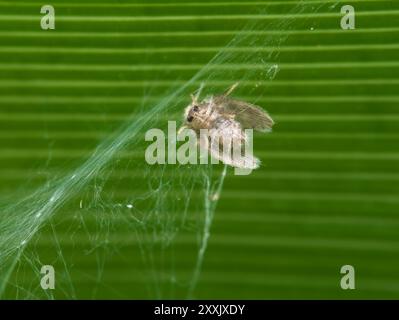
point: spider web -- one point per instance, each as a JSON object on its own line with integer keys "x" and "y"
{"x": 114, "y": 204}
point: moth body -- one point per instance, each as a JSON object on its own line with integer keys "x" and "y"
{"x": 226, "y": 119}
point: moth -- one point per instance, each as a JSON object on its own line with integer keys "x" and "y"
{"x": 226, "y": 119}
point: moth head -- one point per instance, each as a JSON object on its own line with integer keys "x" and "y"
{"x": 194, "y": 114}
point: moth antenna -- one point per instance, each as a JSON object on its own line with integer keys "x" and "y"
{"x": 209, "y": 108}
{"x": 199, "y": 91}
{"x": 231, "y": 89}
{"x": 193, "y": 99}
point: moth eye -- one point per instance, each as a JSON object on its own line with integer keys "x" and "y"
{"x": 195, "y": 108}
{"x": 190, "y": 118}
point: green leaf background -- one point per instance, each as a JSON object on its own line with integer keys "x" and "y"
{"x": 326, "y": 195}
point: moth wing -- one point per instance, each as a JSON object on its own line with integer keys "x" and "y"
{"x": 227, "y": 128}
{"x": 222, "y": 150}
{"x": 243, "y": 162}
{"x": 250, "y": 116}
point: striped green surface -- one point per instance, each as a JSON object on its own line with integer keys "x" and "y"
{"x": 326, "y": 196}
